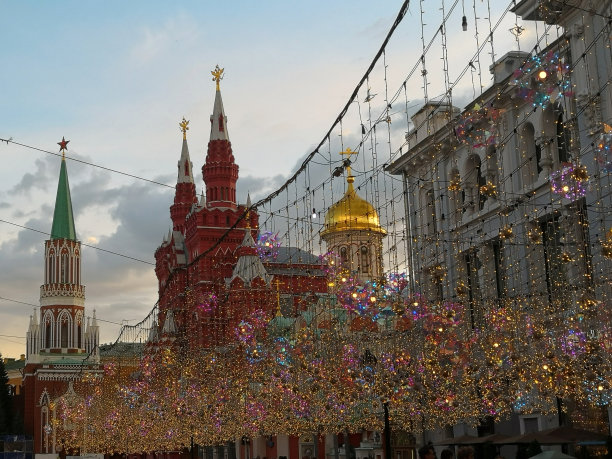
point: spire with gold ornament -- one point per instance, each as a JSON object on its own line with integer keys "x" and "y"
{"x": 220, "y": 172}
{"x": 185, "y": 194}
{"x": 62, "y": 295}
{"x": 352, "y": 232}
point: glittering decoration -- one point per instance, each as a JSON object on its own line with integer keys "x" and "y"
{"x": 606, "y": 246}
{"x": 477, "y": 127}
{"x": 543, "y": 79}
{"x": 368, "y": 342}
{"x": 267, "y": 245}
{"x": 570, "y": 181}
{"x": 603, "y": 149}
{"x": 506, "y": 232}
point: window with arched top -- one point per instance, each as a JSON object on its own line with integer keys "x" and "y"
{"x": 64, "y": 268}
{"x": 48, "y": 334}
{"x": 365, "y": 259}
{"x": 530, "y": 155}
{"x": 187, "y": 168}
{"x": 221, "y": 127}
{"x": 563, "y": 141}
{"x": 344, "y": 256}
{"x": 51, "y": 267}
{"x": 432, "y": 221}
{"x": 64, "y": 333}
{"x": 455, "y": 196}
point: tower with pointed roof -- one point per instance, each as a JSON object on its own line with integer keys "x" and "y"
{"x": 353, "y": 233}
{"x": 185, "y": 193}
{"x": 210, "y": 251}
{"x": 59, "y": 346}
{"x": 220, "y": 171}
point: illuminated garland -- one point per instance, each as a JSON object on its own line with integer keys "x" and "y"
{"x": 431, "y": 360}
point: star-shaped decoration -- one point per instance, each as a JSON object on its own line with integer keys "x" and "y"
{"x": 63, "y": 144}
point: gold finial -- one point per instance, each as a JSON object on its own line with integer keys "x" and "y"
{"x": 217, "y": 74}
{"x": 348, "y": 152}
{"x": 184, "y": 125}
{"x": 278, "y": 309}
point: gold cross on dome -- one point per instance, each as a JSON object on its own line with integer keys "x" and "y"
{"x": 348, "y": 152}
{"x": 217, "y": 74}
{"x": 184, "y": 125}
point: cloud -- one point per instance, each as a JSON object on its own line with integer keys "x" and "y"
{"x": 173, "y": 34}
{"x": 40, "y": 179}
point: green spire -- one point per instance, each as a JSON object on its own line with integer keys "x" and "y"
{"x": 63, "y": 220}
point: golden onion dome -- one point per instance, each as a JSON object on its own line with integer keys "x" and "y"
{"x": 352, "y": 213}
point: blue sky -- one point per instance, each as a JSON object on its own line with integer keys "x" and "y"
{"x": 116, "y": 78}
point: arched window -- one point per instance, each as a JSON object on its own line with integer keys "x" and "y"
{"x": 481, "y": 181}
{"x": 48, "y": 334}
{"x": 78, "y": 269}
{"x": 79, "y": 336}
{"x": 64, "y": 332}
{"x": 365, "y": 259}
{"x": 221, "y": 127}
{"x": 222, "y": 193}
{"x": 64, "y": 268}
{"x": 455, "y": 196}
{"x": 530, "y": 155}
{"x": 187, "y": 168}
{"x": 432, "y": 222}
{"x": 562, "y": 141}
{"x": 51, "y": 268}
{"x": 344, "y": 256}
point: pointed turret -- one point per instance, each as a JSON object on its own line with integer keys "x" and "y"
{"x": 33, "y": 336}
{"x": 153, "y": 333}
{"x": 185, "y": 194}
{"x": 62, "y": 295}
{"x": 249, "y": 265}
{"x": 169, "y": 328}
{"x": 220, "y": 171}
{"x": 63, "y": 219}
{"x": 218, "y": 120}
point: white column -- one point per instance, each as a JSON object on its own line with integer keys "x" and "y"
{"x": 282, "y": 445}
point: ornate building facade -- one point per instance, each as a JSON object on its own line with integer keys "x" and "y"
{"x": 211, "y": 275}
{"x": 60, "y": 344}
{"x": 506, "y": 200}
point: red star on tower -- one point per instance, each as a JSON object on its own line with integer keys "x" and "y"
{"x": 63, "y": 144}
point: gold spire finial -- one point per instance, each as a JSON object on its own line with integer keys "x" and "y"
{"x": 184, "y": 125}
{"x": 217, "y": 74}
{"x": 348, "y": 152}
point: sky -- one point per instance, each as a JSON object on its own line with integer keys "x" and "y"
{"x": 115, "y": 78}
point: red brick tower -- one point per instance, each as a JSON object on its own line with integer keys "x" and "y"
{"x": 60, "y": 347}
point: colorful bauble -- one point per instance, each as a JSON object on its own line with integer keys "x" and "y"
{"x": 603, "y": 150}
{"x": 543, "y": 79}
{"x": 267, "y": 245}
{"x": 571, "y": 181}
{"x": 477, "y": 127}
